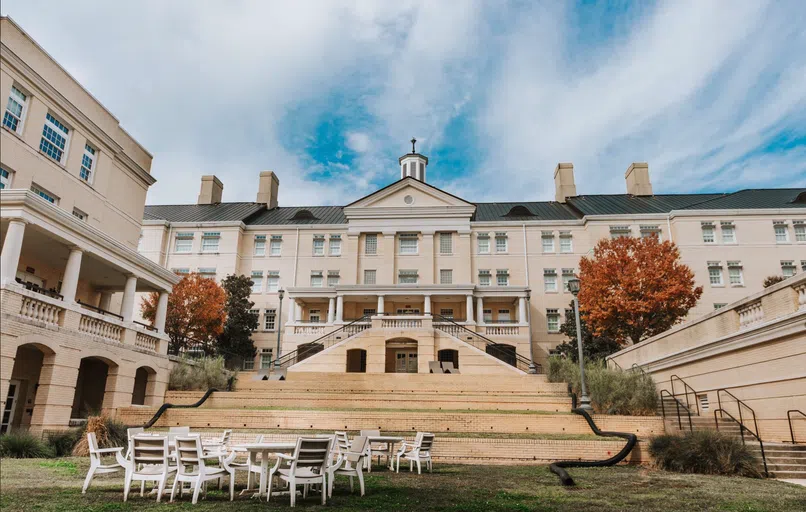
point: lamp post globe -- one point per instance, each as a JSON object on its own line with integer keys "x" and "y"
{"x": 585, "y": 401}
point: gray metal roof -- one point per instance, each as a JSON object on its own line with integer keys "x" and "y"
{"x": 220, "y": 212}
{"x": 624, "y": 204}
{"x": 490, "y": 212}
{"x": 754, "y": 198}
{"x": 285, "y": 216}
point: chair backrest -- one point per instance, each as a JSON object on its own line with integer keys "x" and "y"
{"x": 369, "y": 433}
{"x": 312, "y": 452}
{"x": 426, "y": 440}
{"x": 342, "y": 441}
{"x": 358, "y": 449}
{"x": 259, "y": 438}
{"x": 149, "y": 450}
{"x": 448, "y": 367}
{"x": 92, "y": 443}
{"x": 182, "y": 431}
{"x": 225, "y": 437}
{"x": 134, "y": 431}
{"x": 188, "y": 454}
{"x": 434, "y": 366}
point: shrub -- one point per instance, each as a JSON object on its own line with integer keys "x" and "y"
{"x": 109, "y": 433}
{"x": 199, "y": 374}
{"x": 771, "y": 280}
{"x": 611, "y": 391}
{"x": 706, "y": 452}
{"x": 63, "y": 442}
{"x": 23, "y": 445}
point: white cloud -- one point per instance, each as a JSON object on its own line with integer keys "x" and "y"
{"x": 358, "y": 142}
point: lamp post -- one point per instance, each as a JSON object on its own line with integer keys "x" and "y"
{"x": 532, "y": 365}
{"x": 585, "y": 401}
{"x": 279, "y": 328}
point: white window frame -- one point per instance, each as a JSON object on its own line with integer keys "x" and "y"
{"x": 566, "y": 242}
{"x": 270, "y": 319}
{"x": 44, "y": 194}
{"x": 445, "y": 276}
{"x": 735, "y": 274}
{"x": 6, "y": 178}
{"x": 784, "y": 230}
{"x": 620, "y": 231}
{"x": 370, "y": 272}
{"x": 266, "y": 360}
{"x": 485, "y": 278}
{"x": 59, "y": 128}
{"x": 715, "y": 277}
{"x": 708, "y": 233}
{"x": 501, "y": 243}
{"x": 547, "y": 242}
{"x": 553, "y": 320}
{"x": 800, "y": 231}
{"x": 317, "y": 279}
{"x": 207, "y": 272}
{"x": 315, "y": 316}
{"x": 79, "y": 214}
{"x": 446, "y": 244}
{"x": 412, "y": 245}
{"x": 487, "y": 316}
{"x": 184, "y": 237}
{"x": 260, "y": 245}
{"x": 728, "y": 233}
{"x": 483, "y": 243}
{"x": 446, "y": 312}
{"x": 567, "y": 275}
{"x": 88, "y": 164}
{"x": 272, "y": 281}
{"x": 407, "y": 276}
{"x": 788, "y": 268}
{"x": 549, "y": 280}
{"x": 334, "y": 247}
{"x": 276, "y": 245}
{"x": 181, "y": 271}
{"x": 318, "y": 245}
{"x": 371, "y": 244}
{"x": 207, "y": 239}
{"x": 649, "y": 230}
{"x": 333, "y": 278}
{"x": 257, "y": 281}
{"x": 16, "y": 98}
{"x": 248, "y": 365}
{"x": 502, "y": 277}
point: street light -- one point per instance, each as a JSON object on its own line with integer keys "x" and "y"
{"x": 585, "y": 401}
{"x": 279, "y": 322}
{"x": 532, "y": 365}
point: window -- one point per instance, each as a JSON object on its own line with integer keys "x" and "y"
{"x": 180, "y": 271}
{"x": 648, "y": 231}
{"x": 332, "y": 278}
{"x": 371, "y": 243}
{"x": 728, "y": 233}
{"x": 315, "y": 316}
{"x": 502, "y": 277}
{"x": 620, "y": 231}
{"x": 272, "y": 280}
{"x": 316, "y": 279}
{"x": 446, "y": 243}
{"x": 568, "y": 274}
{"x": 44, "y": 194}
{"x": 735, "y": 274}
{"x": 55, "y": 136}
{"x": 87, "y": 163}
{"x": 500, "y": 242}
{"x": 566, "y": 242}
{"x": 719, "y": 305}
{"x": 781, "y": 232}
{"x": 407, "y": 277}
{"x": 15, "y": 110}
{"x": 370, "y": 276}
{"x": 260, "y": 245}
{"x": 210, "y": 241}
{"x": 708, "y": 233}
{"x": 183, "y": 242}
{"x": 276, "y": 245}
{"x": 265, "y": 358}
{"x": 487, "y": 316}
{"x": 257, "y": 281}
{"x": 369, "y": 312}
{"x": 803, "y": 265}
{"x": 5, "y": 178}
{"x": 79, "y": 214}
{"x": 788, "y": 268}
{"x": 446, "y": 312}
{"x": 548, "y": 241}
{"x": 553, "y": 320}
{"x": 335, "y": 245}
{"x": 800, "y": 230}
{"x": 483, "y": 241}
{"x": 484, "y": 278}
{"x": 408, "y": 243}
{"x": 446, "y": 276}
{"x": 715, "y": 273}
{"x": 248, "y": 365}
{"x": 270, "y": 320}
{"x": 549, "y": 280}
{"x": 705, "y": 406}
{"x": 318, "y": 245}
{"x": 503, "y": 316}
{"x": 255, "y": 313}
{"x": 207, "y": 272}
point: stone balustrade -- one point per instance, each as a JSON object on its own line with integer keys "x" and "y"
{"x": 43, "y": 310}
{"x": 146, "y": 341}
{"x": 801, "y": 291}
{"x": 501, "y": 330}
{"x": 101, "y": 328}
{"x": 750, "y": 314}
{"x": 401, "y": 323}
{"x": 312, "y": 329}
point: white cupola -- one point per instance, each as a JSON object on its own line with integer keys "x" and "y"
{"x": 413, "y": 164}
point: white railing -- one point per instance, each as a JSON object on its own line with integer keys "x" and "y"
{"x": 750, "y": 314}
{"x": 452, "y": 329}
{"x": 309, "y": 329}
{"x": 402, "y": 323}
{"x": 353, "y": 329}
{"x": 100, "y": 328}
{"x": 145, "y": 341}
{"x": 801, "y": 296}
{"x": 40, "y": 310}
{"x": 501, "y": 330}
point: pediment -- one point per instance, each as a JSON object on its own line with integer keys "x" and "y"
{"x": 409, "y": 193}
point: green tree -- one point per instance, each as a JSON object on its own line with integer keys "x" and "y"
{"x": 594, "y": 348}
{"x": 235, "y": 341}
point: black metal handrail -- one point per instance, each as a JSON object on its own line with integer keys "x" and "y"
{"x": 739, "y": 405}
{"x": 686, "y": 390}
{"x": 679, "y": 404}
{"x": 489, "y": 346}
{"x": 323, "y": 342}
{"x": 615, "y": 364}
{"x": 98, "y": 310}
{"x": 635, "y": 366}
{"x": 166, "y": 406}
{"x": 147, "y": 326}
{"x": 742, "y": 428}
{"x": 789, "y": 419}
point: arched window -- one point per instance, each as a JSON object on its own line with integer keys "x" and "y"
{"x": 519, "y": 211}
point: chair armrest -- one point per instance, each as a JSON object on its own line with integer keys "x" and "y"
{"x": 225, "y": 463}
{"x": 108, "y": 450}
{"x": 283, "y": 456}
{"x": 125, "y": 463}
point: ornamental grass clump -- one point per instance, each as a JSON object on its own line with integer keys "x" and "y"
{"x": 23, "y": 445}
{"x": 63, "y": 442}
{"x": 109, "y": 433}
{"x": 199, "y": 374}
{"x": 706, "y": 452}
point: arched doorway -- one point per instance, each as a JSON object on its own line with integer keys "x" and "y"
{"x": 90, "y": 386}
{"x": 23, "y": 385}
{"x": 505, "y": 353}
{"x": 142, "y": 378}
{"x": 356, "y": 360}
{"x": 448, "y": 355}
{"x": 401, "y": 355}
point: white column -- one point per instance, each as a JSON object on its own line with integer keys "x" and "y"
{"x": 71, "y": 272}
{"x": 469, "y": 312}
{"x": 427, "y": 304}
{"x": 292, "y": 310}
{"x": 297, "y": 312}
{"x": 162, "y": 312}
{"x": 331, "y": 310}
{"x": 340, "y": 309}
{"x": 106, "y": 301}
{"x": 522, "y": 310}
{"x": 127, "y": 307}
{"x": 12, "y": 248}
{"x": 479, "y": 310}
{"x": 379, "y": 310}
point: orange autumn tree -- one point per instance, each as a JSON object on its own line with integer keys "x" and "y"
{"x": 634, "y": 288}
{"x": 195, "y": 315}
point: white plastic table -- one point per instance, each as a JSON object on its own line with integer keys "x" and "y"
{"x": 390, "y": 441}
{"x": 264, "y": 449}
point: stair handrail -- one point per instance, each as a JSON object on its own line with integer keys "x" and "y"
{"x": 739, "y": 404}
{"x": 636, "y": 366}
{"x": 789, "y": 419}
{"x": 164, "y": 407}
{"x": 742, "y": 428}
{"x": 521, "y": 363}
{"x": 289, "y": 358}
{"x": 609, "y": 360}
{"x": 686, "y": 389}
{"x": 679, "y": 404}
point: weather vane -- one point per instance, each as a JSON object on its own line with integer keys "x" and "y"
{"x": 413, "y": 142}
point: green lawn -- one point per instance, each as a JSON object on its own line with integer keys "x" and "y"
{"x": 55, "y": 485}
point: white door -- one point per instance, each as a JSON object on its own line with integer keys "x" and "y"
{"x": 11, "y": 404}
{"x": 503, "y": 315}
{"x": 406, "y": 361}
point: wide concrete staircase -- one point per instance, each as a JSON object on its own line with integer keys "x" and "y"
{"x": 518, "y": 419}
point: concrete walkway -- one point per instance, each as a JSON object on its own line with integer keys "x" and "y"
{"x": 796, "y": 481}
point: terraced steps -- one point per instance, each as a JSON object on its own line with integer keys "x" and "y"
{"x": 783, "y": 460}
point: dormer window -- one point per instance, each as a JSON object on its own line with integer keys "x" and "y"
{"x": 800, "y": 198}
{"x": 519, "y": 211}
{"x": 304, "y": 215}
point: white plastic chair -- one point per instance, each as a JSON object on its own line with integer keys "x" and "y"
{"x": 150, "y": 462}
{"x": 349, "y": 464}
{"x": 419, "y": 451}
{"x": 307, "y": 466}
{"x": 96, "y": 461}
{"x": 191, "y": 468}
{"x": 342, "y": 442}
{"x": 251, "y": 465}
{"x": 221, "y": 443}
{"x": 379, "y": 449}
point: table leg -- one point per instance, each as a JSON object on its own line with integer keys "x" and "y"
{"x": 264, "y": 473}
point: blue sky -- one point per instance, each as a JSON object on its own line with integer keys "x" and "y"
{"x": 327, "y": 94}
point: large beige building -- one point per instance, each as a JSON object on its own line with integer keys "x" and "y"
{"x": 410, "y": 261}
{"x": 73, "y": 190}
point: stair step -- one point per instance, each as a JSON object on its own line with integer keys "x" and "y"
{"x": 793, "y": 475}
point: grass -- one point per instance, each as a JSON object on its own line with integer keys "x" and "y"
{"x": 30, "y": 484}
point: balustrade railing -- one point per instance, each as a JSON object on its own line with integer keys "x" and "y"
{"x": 750, "y": 315}
{"x": 309, "y": 329}
{"x": 501, "y": 330}
{"x": 42, "y": 311}
{"x": 319, "y": 344}
{"x": 100, "y": 328}
{"x": 801, "y": 290}
{"x": 146, "y": 342}
{"x": 402, "y": 323}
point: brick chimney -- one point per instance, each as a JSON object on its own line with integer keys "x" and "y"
{"x": 564, "y": 182}
{"x": 267, "y": 189}
{"x": 211, "y": 189}
{"x": 637, "y": 177}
